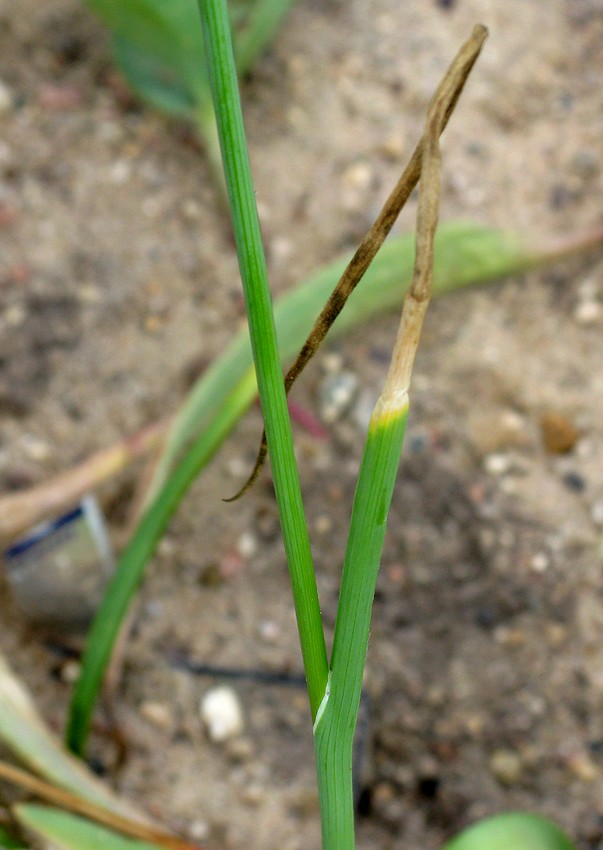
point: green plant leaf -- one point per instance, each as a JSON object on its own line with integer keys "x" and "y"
{"x": 158, "y": 46}
{"x": 168, "y": 34}
{"x": 512, "y": 831}
{"x": 152, "y": 79}
{"x": 9, "y": 842}
{"x": 71, "y": 832}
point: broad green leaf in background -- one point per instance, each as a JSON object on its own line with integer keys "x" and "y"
{"x": 512, "y": 831}
{"x": 7, "y": 841}
{"x": 157, "y": 45}
{"x": 71, "y": 832}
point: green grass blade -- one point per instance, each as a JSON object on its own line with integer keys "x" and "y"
{"x": 7, "y": 841}
{"x": 334, "y": 729}
{"x": 252, "y": 264}
{"x": 130, "y": 569}
{"x": 512, "y": 831}
{"x": 65, "y": 831}
{"x": 169, "y": 33}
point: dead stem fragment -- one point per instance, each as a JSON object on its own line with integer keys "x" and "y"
{"x": 69, "y": 801}
{"x": 443, "y": 103}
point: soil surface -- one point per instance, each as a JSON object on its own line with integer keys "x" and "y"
{"x": 118, "y": 283}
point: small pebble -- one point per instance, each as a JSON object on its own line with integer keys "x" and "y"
{"x": 253, "y": 795}
{"x": 574, "y": 481}
{"x": 323, "y": 524}
{"x": 281, "y": 249}
{"x": 221, "y": 714}
{"x": 493, "y": 432}
{"x": 231, "y": 564}
{"x": 588, "y": 312}
{"x": 337, "y": 394}
{"x": 497, "y": 464}
{"x": 191, "y": 209}
{"x": 269, "y": 631}
{"x": 35, "y": 448}
{"x": 70, "y": 671}
{"x": 358, "y": 176}
{"x": 15, "y": 315}
{"x": 247, "y": 544}
{"x": 506, "y": 766}
{"x": 597, "y": 513}
{"x": 120, "y": 172}
{"x": 240, "y": 750}
{"x": 539, "y": 562}
{"x": 559, "y": 434}
{"x": 393, "y": 147}
{"x": 582, "y": 767}
{"x": 199, "y": 830}
{"x": 237, "y": 467}
{"x": 211, "y": 575}
{"x": 157, "y": 713}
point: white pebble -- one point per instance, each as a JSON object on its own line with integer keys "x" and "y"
{"x": 497, "y": 464}
{"x": 269, "y": 631}
{"x": 337, "y": 394}
{"x": 221, "y": 713}
{"x": 597, "y": 513}
{"x": 588, "y": 312}
{"x": 35, "y": 448}
{"x": 198, "y": 830}
{"x": 539, "y": 562}
{"x": 247, "y": 544}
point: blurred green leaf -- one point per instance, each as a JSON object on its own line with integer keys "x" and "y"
{"x": 158, "y": 46}
{"x": 512, "y": 831}
{"x": 71, "y": 832}
{"x": 161, "y": 41}
{"x": 9, "y": 842}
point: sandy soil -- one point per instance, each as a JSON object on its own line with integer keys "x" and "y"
{"x": 118, "y": 281}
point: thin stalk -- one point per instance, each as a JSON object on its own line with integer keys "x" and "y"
{"x": 336, "y": 721}
{"x": 252, "y": 264}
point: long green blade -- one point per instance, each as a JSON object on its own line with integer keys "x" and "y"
{"x": 130, "y": 570}
{"x": 71, "y": 832}
{"x": 334, "y": 728}
{"x": 262, "y": 331}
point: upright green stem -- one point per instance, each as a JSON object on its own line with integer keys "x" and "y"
{"x": 334, "y": 728}
{"x": 252, "y": 264}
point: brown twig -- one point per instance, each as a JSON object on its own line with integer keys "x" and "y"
{"x": 455, "y": 76}
{"x": 69, "y": 801}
